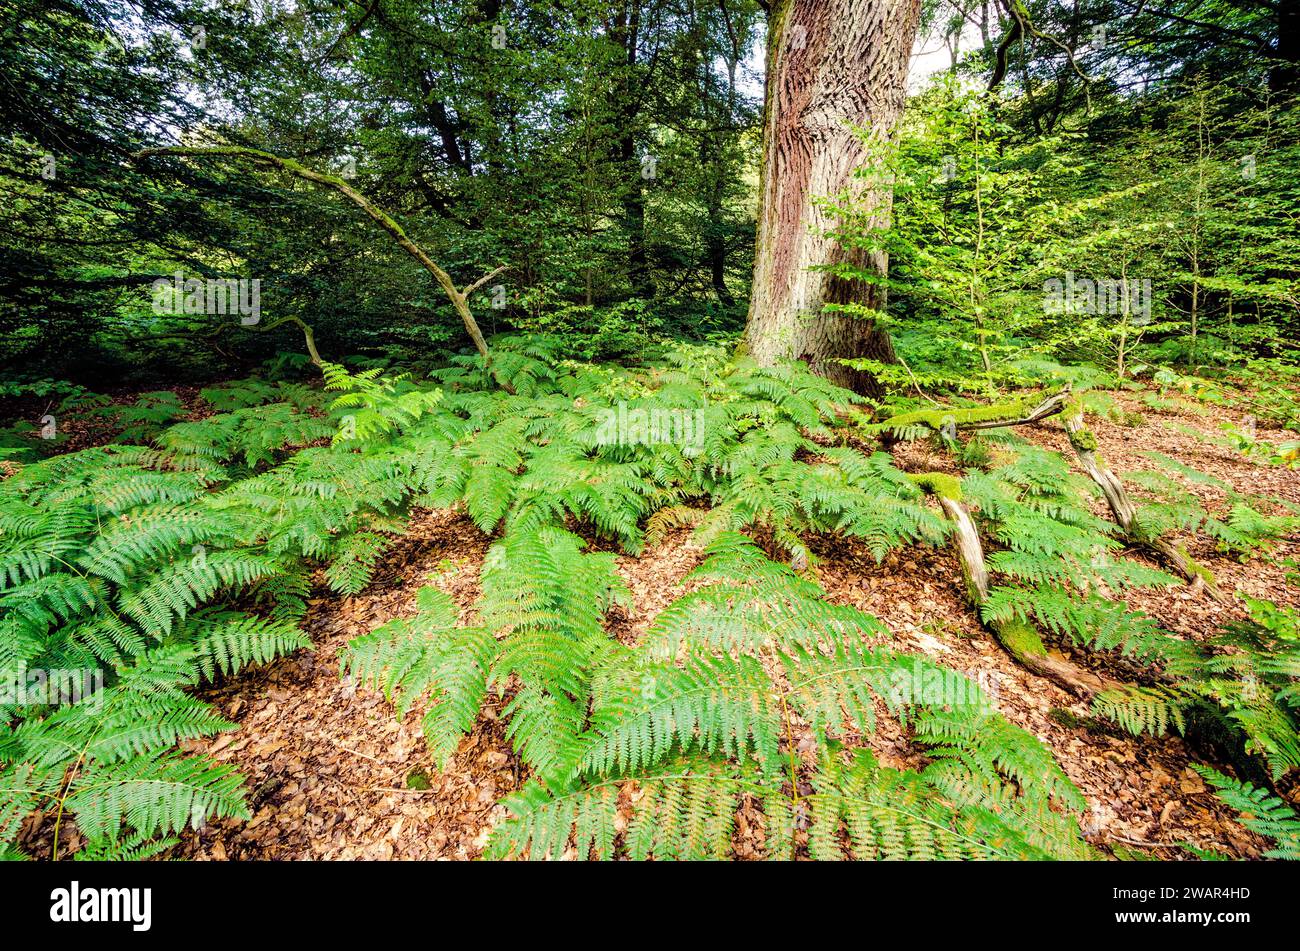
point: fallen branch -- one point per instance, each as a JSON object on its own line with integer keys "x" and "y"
{"x": 1084, "y": 444}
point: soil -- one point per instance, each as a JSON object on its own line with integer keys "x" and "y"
{"x": 334, "y": 775}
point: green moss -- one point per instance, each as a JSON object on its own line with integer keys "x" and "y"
{"x": 1073, "y": 721}
{"x": 1021, "y": 640}
{"x": 935, "y": 418}
{"x": 418, "y": 780}
{"x": 941, "y": 484}
{"x": 1197, "y": 568}
{"x": 1067, "y": 718}
{"x": 1083, "y": 440}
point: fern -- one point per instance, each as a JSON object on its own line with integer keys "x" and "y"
{"x": 1143, "y": 709}
{"x": 1261, "y": 812}
{"x": 650, "y": 751}
{"x": 429, "y": 659}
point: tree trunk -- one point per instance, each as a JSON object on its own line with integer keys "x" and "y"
{"x": 1284, "y": 77}
{"x": 626, "y": 33}
{"x": 830, "y": 64}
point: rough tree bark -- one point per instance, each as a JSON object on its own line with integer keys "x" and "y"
{"x": 831, "y": 64}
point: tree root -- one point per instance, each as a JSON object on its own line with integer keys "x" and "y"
{"x": 1125, "y": 512}
{"x": 1018, "y": 638}
{"x": 1020, "y": 413}
{"x": 1015, "y": 413}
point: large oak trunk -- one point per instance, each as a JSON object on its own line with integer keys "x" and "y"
{"x": 830, "y": 64}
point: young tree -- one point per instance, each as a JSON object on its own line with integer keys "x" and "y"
{"x": 976, "y": 229}
{"x": 831, "y": 65}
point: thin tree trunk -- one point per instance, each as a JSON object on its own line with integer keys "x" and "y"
{"x": 1284, "y": 77}
{"x": 831, "y": 64}
{"x": 627, "y": 34}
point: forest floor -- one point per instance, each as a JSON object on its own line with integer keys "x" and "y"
{"x": 333, "y": 774}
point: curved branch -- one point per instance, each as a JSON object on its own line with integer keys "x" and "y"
{"x": 1125, "y": 512}
{"x": 471, "y": 288}
{"x": 1023, "y": 26}
{"x": 1018, "y": 638}
{"x": 1002, "y": 52}
{"x": 372, "y": 211}
{"x": 307, "y": 333}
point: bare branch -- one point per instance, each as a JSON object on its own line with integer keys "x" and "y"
{"x": 471, "y": 288}
{"x": 372, "y": 211}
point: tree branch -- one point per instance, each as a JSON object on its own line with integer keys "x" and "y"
{"x": 372, "y": 211}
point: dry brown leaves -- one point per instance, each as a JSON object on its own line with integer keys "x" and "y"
{"x": 328, "y": 765}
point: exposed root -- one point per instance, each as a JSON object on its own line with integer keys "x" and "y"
{"x": 1015, "y": 413}
{"x": 1125, "y": 512}
{"x": 1018, "y": 638}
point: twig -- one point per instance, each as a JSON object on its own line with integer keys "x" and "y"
{"x": 356, "y": 752}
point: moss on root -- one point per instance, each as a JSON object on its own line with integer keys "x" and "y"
{"x": 1083, "y": 440}
{"x": 935, "y": 418}
{"x": 942, "y": 484}
{"x": 1197, "y": 568}
{"x": 1021, "y": 640}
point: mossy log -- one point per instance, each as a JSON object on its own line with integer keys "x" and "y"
{"x": 1084, "y": 444}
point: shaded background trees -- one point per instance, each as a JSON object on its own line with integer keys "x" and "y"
{"x": 609, "y": 152}
{"x": 599, "y": 149}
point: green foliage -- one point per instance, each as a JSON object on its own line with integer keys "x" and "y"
{"x": 980, "y": 218}
{"x": 1262, "y": 812}
{"x": 540, "y": 634}
{"x": 1250, "y": 675}
{"x": 1039, "y": 510}
{"x": 382, "y": 405}
{"x": 145, "y": 418}
{"x": 1063, "y": 571}
{"x": 696, "y": 720}
{"x": 1170, "y": 507}
{"x": 430, "y": 660}
{"x": 114, "y": 563}
{"x": 610, "y": 161}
